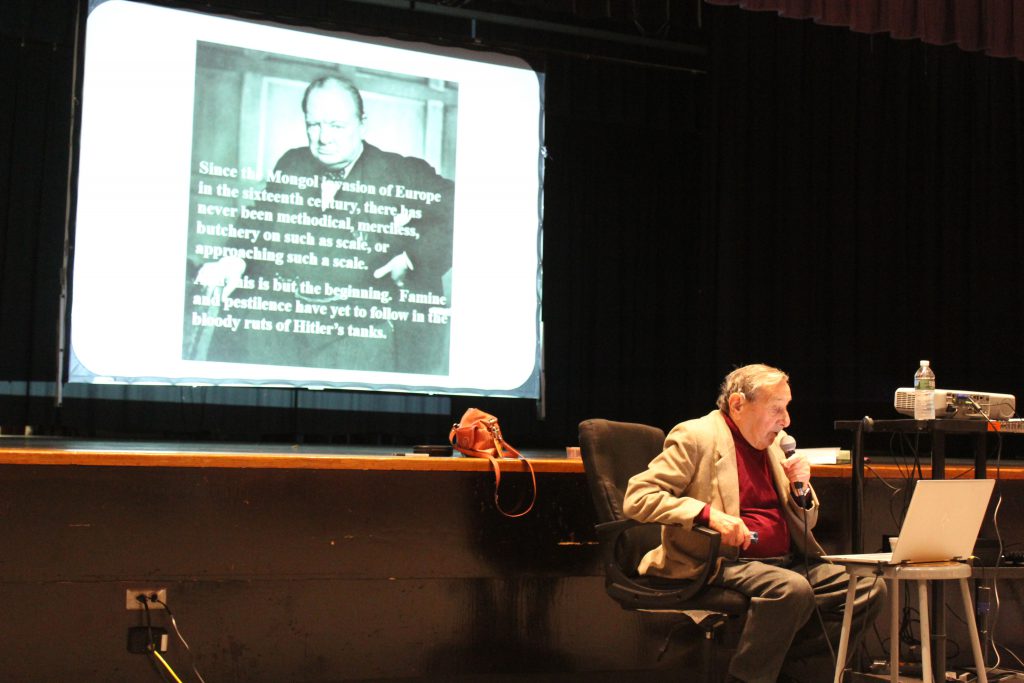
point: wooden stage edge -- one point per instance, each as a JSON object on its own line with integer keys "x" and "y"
{"x": 49, "y": 451}
{"x": 30, "y": 451}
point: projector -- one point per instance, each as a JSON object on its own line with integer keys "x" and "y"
{"x": 959, "y": 404}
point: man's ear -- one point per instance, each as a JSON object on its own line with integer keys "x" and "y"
{"x": 736, "y": 401}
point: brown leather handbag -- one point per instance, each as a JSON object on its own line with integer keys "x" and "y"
{"x": 477, "y": 434}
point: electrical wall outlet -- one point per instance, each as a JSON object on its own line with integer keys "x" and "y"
{"x": 131, "y": 600}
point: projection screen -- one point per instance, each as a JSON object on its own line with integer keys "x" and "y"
{"x": 260, "y": 205}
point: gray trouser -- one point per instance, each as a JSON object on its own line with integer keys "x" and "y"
{"x": 781, "y": 626}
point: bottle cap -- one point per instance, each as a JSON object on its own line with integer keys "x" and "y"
{"x": 925, "y": 363}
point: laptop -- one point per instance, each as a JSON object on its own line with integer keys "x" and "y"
{"x": 942, "y": 523}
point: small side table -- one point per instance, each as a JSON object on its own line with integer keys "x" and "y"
{"x": 922, "y": 573}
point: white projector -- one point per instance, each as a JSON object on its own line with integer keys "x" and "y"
{"x": 961, "y": 404}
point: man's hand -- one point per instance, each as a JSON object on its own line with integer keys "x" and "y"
{"x": 222, "y": 276}
{"x": 733, "y": 530}
{"x": 798, "y": 469}
{"x": 397, "y": 268}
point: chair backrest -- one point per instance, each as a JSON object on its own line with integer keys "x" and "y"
{"x": 612, "y": 452}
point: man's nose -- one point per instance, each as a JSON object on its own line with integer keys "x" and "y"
{"x": 785, "y": 419}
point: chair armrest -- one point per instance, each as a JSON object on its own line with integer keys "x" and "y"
{"x": 628, "y": 591}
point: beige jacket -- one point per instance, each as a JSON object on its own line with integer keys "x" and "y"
{"x": 698, "y": 466}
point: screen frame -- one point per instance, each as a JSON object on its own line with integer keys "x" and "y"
{"x": 532, "y": 387}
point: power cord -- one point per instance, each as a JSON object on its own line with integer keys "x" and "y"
{"x": 152, "y": 648}
{"x": 166, "y": 666}
{"x": 894, "y": 491}
{"x": 177, "y": 631}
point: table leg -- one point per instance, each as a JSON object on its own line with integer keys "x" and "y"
{"x": 939, "y": 626}
{"x": 972, "y": 627}
{"x": 844, "y": 638}
{"x": 926, "y": 640}
{"x": 894, "y": 631}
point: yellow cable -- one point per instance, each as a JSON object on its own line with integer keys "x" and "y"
{"x": 166, "y": 665}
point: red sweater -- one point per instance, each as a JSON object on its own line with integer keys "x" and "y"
{"x": 759, "y": 503}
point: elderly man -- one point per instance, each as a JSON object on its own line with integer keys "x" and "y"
{"x": 727, "y": 471}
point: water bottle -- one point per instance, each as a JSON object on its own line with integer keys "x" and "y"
{"x": 924, "y": 392}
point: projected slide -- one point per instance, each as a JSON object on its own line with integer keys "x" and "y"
{"x": 336, "y": 254}
{"x": 266, "y": 206}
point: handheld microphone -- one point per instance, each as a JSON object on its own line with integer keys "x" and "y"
{"x": 788, "y": 445}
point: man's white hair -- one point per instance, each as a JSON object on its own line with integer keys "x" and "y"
{"x": 748, "y": 381}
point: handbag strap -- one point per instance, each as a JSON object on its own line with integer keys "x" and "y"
{"x": 501, "y": 446}
{"x": 496, "y": 466}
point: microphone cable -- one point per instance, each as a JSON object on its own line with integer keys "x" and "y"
{"x": 806, "y": 497}
{"x": 788, "y": 445}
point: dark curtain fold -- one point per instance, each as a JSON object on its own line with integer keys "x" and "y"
{"x": 624, "y": 292}
{"x": 35, "y": 118}
{"x": 995, "y": 27}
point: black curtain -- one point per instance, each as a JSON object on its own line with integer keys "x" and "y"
{"x": 868, "y": 206}
{"x": 36, "y": 56}
{"x": 836, "y": 203}
{"x": 854, "y": 206}
{"x": 625, "y": 287}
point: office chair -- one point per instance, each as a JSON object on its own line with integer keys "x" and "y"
{"x": 613, "y": 452}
